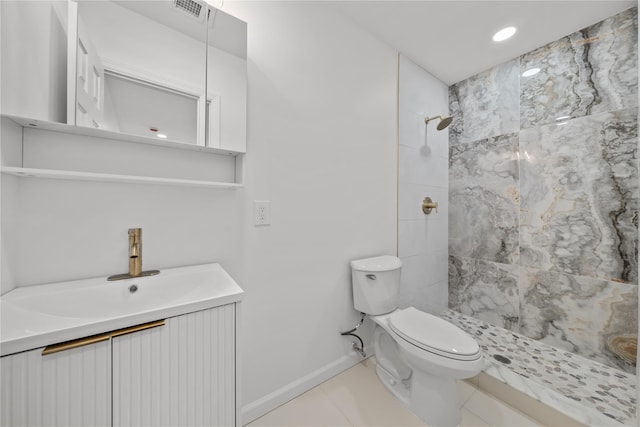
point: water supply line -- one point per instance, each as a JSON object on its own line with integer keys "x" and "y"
{"x": 359, "y": 348}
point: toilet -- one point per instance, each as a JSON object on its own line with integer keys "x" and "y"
{"x": 419, "y": 356}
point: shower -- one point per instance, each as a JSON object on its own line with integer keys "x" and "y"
{"x": 444, "y": 121}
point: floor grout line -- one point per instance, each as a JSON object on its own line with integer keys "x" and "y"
{"x": 335, "y": 405}
{"x": 462, "y": 404}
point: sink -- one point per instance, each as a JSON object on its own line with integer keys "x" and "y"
{"x": 40, "y": 315}
{"x": 97, "y": 298}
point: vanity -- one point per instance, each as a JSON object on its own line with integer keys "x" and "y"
{"x": 157, "y": 350}
{"x": 152, "y": 93}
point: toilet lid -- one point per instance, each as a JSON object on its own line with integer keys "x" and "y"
{"x": 433, "y": 334}
{"x": 379, "y": 263}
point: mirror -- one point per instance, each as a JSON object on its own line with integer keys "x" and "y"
{"x": 131, "y": 75}
{"x": 167, "y": 69}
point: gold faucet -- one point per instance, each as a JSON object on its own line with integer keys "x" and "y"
{"x": 135, "y": 252}
{"x": 135, "y": 258}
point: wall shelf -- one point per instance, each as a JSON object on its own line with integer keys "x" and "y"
{"x": 104, "y": 177}
{"x": 117, "y": 136}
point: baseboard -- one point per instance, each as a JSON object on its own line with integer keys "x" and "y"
{"x": 258, "y": 408}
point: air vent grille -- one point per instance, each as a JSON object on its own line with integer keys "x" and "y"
{"x": 189, "y": 7}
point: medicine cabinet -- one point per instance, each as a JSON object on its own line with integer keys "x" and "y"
{"x": 149, "y": 70}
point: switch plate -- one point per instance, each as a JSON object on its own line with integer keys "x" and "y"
{"x": 261, "y": 212}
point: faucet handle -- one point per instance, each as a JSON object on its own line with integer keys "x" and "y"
{"x": 135, "y": 252}
{"x": 428, "y": 205}
{"x": 134, "y": 241}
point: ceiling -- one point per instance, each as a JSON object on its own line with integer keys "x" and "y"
{"x": 452, "y": 39}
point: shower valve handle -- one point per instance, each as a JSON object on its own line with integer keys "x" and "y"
{"x": 428, "y": 205}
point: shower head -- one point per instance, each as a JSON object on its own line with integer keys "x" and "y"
{"x": 444, "y": 121}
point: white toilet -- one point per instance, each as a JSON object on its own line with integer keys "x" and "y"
{"x": 419, "y": 356}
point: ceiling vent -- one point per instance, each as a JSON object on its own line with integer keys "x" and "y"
{"x": 189, "y": 7}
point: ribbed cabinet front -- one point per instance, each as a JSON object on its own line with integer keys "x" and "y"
{"x": 180, "y": 374}
{"x": 70, "y": 388}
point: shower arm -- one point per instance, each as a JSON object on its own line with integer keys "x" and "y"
{"x": 444, "y": 121}
{"x": 428, "y": 119}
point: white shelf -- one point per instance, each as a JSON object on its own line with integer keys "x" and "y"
{"x": 101, "y": 133}
{"x": 104, "y": 177}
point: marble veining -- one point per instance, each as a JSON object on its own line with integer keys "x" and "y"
{"x": 549, "y": 247}
{"x": 578, "y": 314}
{"x": 485, "y": 290}
{"x": 579, "y": 197}
{"x": 483, "y": 184}
{"x": 587, "y": 391}
{"x": 591, "y": 71}
{"x": 486, "y": 104}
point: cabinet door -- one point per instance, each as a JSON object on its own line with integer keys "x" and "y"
{"x": 179, "y": 374}
{"x": 69, "y": 388}
{"x": 90, "y": 82}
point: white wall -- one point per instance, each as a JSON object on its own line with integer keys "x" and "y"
{"x": 10, "y": 155}
{"x": 424, "y": 165}
{"x": 62, "y": 230}
{"x": 322, "y": 147}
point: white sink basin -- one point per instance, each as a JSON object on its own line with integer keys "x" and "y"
{"x": 35, "y": 316}
{"x": 98, "y": 298}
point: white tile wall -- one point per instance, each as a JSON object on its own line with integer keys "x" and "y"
{"x": 422, "y": 236}
{"x": 420, "y": 167}
{"x": 410, "y": 202}
{"x": 423, "y": 171}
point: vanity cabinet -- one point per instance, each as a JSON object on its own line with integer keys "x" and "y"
{"x": 70, "y": 388}
{"x": 180, "y": 372}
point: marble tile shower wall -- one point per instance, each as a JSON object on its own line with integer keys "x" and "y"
{"x": 543, "y": 214}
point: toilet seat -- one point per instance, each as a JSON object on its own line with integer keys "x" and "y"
{"x": 433, "y": 334}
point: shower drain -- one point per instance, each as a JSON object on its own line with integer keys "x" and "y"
{"x": 500, "y": 358}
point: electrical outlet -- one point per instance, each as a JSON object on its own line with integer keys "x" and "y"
{"x": 261, "y": 212}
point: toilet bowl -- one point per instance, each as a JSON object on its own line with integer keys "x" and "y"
{"x": 419, "y": 356}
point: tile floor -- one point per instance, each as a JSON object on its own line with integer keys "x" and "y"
{"x": 357, "y": 398}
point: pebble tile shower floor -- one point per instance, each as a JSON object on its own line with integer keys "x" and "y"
{"x": 576, "y": 386}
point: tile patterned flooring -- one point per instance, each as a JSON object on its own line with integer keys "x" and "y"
{"x": 581, "y": 388}
{"x": 357, "y": 398}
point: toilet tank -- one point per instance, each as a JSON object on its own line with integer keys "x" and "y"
{"x": 376, "y": 283}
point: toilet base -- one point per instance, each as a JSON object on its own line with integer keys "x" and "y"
{"x": 432, "y": 399}
{"x": 399, "y": 389}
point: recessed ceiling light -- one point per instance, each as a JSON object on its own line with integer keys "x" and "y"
{"x": 161, "y": 135}
{"x": 504, "y": 34}
{"x": 531, "y": 72}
